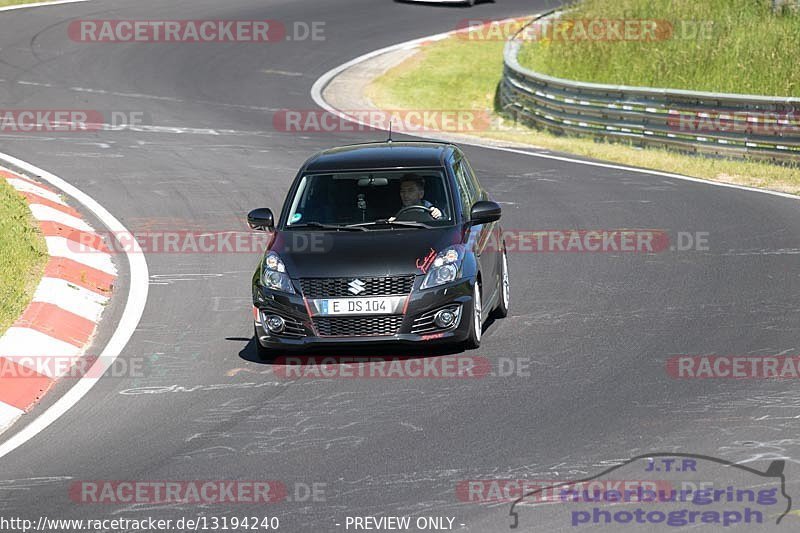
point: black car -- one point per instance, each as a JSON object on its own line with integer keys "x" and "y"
{"x": 380, "y": 242}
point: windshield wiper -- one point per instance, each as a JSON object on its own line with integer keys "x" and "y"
{"x": 387, "y": 222}
{"x": 325, "y": 226}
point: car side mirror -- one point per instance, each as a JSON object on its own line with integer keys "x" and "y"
{"x": 484, "y": 212}
{"x": 261, "y": 219}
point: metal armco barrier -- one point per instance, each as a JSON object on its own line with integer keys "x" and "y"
{"x": 731, "y": 125}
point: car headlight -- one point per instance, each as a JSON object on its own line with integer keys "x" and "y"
{"x": 445, "y": 268}
{"x": 274, "y": 276}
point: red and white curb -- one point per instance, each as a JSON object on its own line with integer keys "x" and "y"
{"x": 60, "y": 322}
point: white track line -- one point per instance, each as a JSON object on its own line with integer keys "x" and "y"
{"x": 40, "y": 4}
{"x": 134, "y": 308}
{"x": 325, "y": 79}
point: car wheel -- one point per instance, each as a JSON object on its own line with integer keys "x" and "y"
{"x": 501, "y": 310}
{"x": 476, "y": 320}
{"x": 264, "y": 354}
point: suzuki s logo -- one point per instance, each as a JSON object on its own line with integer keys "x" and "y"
{"x": 356, "y": 286}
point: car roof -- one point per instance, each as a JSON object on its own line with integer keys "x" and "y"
{"x": 381, "y": 155}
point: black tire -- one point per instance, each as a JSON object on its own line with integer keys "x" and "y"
{"x": 475, "y": 320}
{"x": 501, "y": 309}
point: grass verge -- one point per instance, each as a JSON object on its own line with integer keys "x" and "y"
{"x": 462, "y": 74}
{"x": 732, "y": 46}
{"x": 24, "y": 255}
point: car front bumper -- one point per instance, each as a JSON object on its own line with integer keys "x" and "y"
{"x": 294, "y": 310}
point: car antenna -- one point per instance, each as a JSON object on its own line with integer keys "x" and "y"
{"x": 390, "y": 132}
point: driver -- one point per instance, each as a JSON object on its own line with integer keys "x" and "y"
{"x": 412, "y": 189}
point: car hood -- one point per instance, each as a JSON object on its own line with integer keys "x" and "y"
{"x": 330, "y": 254}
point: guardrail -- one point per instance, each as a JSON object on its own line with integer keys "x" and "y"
{"x": 731, "y": 125}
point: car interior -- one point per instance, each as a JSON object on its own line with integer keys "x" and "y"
{"x": 336, "y": 199}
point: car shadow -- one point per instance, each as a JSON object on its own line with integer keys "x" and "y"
{"x": 250, "y": 353}
{"x": 445, "y": 4}
{"x": 487, "y": 325}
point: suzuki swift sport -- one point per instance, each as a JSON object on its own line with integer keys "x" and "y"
{"x": 392, "y": 242}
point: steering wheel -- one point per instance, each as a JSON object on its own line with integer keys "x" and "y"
{"x": 416, "y": 207}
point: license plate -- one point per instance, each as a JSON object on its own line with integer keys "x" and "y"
{"x": 356, "y": 306}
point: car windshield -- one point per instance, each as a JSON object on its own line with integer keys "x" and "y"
{"x": 372, "y": 199}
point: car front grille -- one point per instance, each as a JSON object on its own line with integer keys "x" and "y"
{"x": 340, "y": 287}
{"x": 358, "y": 326}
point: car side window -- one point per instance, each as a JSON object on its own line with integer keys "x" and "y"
{"x": 473, "y": 179}
{"x": 465, "y": 188}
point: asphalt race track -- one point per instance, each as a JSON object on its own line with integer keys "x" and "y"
{"x": 595, "y": 328}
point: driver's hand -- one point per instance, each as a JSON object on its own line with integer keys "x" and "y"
{"x": 436, "y": 213}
